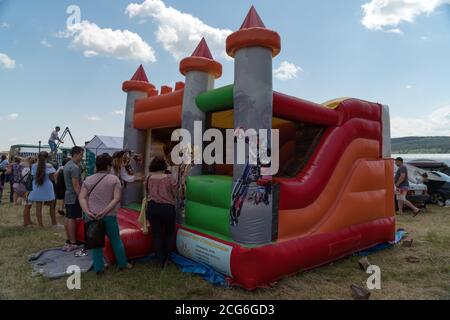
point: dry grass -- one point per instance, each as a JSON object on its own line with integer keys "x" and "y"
{"x": 429, "y": 279}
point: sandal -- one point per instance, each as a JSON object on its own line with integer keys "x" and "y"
{"x": 415, "y": 214}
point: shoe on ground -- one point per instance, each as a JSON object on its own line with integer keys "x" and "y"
{"x": 407, "y": 243}
{"x": 81, "y": 253}
{"x": 69, "y": 247}
{"x": 128, "y": 267}
{"x": 359, "y": 293}
{"x": 364, "y": 263}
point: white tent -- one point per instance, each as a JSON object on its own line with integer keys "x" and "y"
{"x": 103, "y": 144}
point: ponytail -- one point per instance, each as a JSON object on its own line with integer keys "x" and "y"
{"x": 41, "y": 168}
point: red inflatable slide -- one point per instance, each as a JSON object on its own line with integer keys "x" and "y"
{"x": 136, "y": 243}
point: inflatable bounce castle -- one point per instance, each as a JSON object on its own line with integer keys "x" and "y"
{"x": 332, "y": 196}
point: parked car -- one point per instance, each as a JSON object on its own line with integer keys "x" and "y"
{"x": 430, "y": 165}
{"x": 438, "y": 184}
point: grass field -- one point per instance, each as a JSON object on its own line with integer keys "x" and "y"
{"x": 429, "y": 279}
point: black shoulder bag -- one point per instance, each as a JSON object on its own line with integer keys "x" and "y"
{"x": 27, "y": 180}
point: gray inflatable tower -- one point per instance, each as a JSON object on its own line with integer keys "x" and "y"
{"x": 253, "y": 48}
{"x": 200, "y": 70}
{"x": 135, "y": 140}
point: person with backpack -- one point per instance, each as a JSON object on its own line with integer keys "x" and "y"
{"x": 15, "y": 172}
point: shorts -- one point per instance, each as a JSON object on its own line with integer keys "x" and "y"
{"x": 401, "y": 194}
{"x": 20, "y": 189}
{"x": 74, "y": 211}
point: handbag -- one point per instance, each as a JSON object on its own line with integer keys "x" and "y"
{"x": 94, "y": 234}
{"x": 29, "y": 182}
{"x": 26, "y": 182}
{"x": 94, "y": 230}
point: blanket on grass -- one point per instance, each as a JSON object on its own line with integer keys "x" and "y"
{"x": 53, "y": 263}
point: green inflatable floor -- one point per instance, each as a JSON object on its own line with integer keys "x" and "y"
{"x": 134, "y": 206}
{"x": 208, "y": 202}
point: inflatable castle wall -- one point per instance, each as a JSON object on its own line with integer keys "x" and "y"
{"x": 333, "y": 195}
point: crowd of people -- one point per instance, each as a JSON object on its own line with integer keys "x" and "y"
{"x": 36, "y": 182}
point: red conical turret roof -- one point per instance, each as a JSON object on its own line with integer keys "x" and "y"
{"x": 201, "y": 60}
{"x": 253, "y": 20}
{"x": 253, "y": 33}
{"x": 139, "y": 82}
{"x": 202, "y": 50}
{"x": 140, "y": 75}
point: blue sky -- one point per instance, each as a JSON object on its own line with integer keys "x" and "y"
{"x": 392, "y": 51}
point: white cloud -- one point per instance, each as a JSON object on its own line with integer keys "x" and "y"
{"x": 387, "y": 15}
{"x": 4, "y": 25}
{"x": 96, "y": 41}
{"x": 90, "y": 54}
{"x": 179, "y": 32}
{"x": 6, "y": 62}
{"x": 409, "y": 87}
{"x": 287, "y": 71}
{"x": 13, "y": 116}
{"x": 118, "y": 113}
{"x": 435, "y": 124}
{"x": 45, "y": 43}
{"x": 396, "y": 31}
{"x": 94, "y": 118}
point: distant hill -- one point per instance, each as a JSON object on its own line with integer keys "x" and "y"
{"x": 421, "y": 145}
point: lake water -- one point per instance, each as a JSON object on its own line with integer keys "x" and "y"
{"x": 438, "y": 157}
